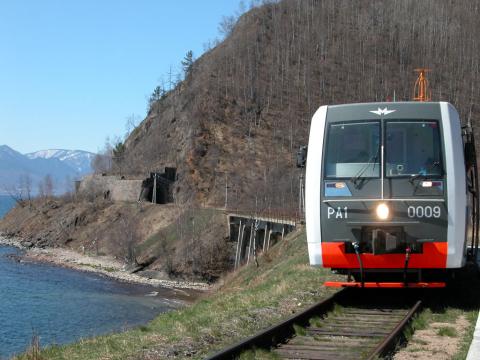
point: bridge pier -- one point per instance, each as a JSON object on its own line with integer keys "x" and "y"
{"x": 262, "y": 232}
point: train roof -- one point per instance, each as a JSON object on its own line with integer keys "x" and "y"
{"x": 388, "y": 103}
{"x": 387, "y": 110}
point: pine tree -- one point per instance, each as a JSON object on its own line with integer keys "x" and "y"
{"x": 187, "y": 64}
{"x": 157, "y": 94}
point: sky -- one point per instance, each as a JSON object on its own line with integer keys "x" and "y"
{"x": 72, "y": 72}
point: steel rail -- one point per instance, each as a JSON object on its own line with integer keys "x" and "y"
{"x": 390, "y": 341}
{"x": 281, "y": 331}
{"x": 277, "y": 335}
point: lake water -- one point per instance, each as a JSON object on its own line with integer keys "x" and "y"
{"x": 62, "y": 305}
{"x": 6, "y": 203}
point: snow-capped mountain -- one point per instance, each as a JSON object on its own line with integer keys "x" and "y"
{"x": 63, "y": 166}
{"x": 78, "y": 160}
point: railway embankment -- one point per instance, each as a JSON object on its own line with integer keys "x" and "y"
{"x": 442, "y": 329}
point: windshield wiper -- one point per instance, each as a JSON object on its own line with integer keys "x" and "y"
{"x": 371, "y": 161}
{"x": 417, "y": 177}
{"x": 425, "y": 176}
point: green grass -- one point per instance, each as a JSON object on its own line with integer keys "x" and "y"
{"x": 337, "y": 310}
{"x": 448, "y": 314}
{"x": 461, "y": 298}
{"x": 259, "y": 354}
{"x": 316, "y": 321}
{"x": 299, "y": 330}
{"x": 420, "y": 322}
{"x": 252, "y": 299}
{"x": 467, "y": 338}
{"x": 447, "y": 331}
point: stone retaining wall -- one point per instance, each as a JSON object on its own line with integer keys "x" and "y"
{"x": 110, "y": 187}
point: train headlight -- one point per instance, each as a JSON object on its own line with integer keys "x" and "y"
{"x": 383, "y": 211}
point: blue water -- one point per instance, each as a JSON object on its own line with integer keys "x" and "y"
{"x": 6, "y": 203}
{"x": 62, "y": 305}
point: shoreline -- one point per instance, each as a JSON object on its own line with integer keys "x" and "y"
{"x": 102, "y": 265}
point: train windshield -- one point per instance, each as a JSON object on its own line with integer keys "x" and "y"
{"x": 412, "y": 148}
{"x": 353, "y": 150}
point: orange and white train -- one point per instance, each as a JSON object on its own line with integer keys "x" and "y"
{"x": 391, "y": 193}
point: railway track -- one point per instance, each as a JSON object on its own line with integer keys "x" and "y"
{"x": 348, "y": 325}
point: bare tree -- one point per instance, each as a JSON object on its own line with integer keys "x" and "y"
{"x": 48, "y": 186}
{"x": 125, "y": 235}
{"x": 226, "y": 26}
{"x": 26, "y": 186}
{"x": 131, "y": 124}
{"x": 69, "y": 187}
{"x": 41, "y": 189}
{"x": 102, "y": 161}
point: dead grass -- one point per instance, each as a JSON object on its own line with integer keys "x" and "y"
{"x": 33, "y": 352}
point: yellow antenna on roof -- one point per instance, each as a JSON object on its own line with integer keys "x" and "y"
{"x": 421, "y": 90}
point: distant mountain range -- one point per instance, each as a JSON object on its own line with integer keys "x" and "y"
{"x": 78, "y": 160}
{"x": 62, "y": 165}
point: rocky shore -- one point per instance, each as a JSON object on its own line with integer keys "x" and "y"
{"x": 104, "y": 265}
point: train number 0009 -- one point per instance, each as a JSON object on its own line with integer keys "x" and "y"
{"x": 424, "y": 211}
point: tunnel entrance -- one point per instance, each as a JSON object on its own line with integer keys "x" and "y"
{"x": 158, "y": 188}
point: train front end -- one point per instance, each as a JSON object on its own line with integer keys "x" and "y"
{"x": 386, "y": 196}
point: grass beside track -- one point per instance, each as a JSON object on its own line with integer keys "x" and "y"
{"x": 251, "y": 299}
{"x": 442, "y": 308}
{"x": 463, "y": 299}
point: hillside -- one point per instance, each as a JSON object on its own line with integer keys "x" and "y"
{"x": 246, "y": 104}
{"x": 170, "y": 241}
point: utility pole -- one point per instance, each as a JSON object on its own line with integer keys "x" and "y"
{"x": 226, "y": 190}
{"x": 301, "y": 196}
{"x": 154, "y": 194}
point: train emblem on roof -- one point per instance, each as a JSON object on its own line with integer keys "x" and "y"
{"x": 382, "y": 111}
